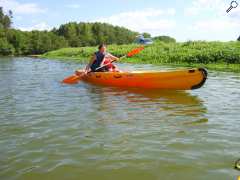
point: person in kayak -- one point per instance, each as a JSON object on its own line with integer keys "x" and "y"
{"x": 101, "y": 58}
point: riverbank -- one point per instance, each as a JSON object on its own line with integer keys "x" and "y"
{"x": 222, "y": 56}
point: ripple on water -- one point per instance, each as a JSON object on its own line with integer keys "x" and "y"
{"x": 55, "y": 131}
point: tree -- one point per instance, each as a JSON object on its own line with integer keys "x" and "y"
{"x": 1, "y": 17}
{"x": 5, "y": 47}
{"x": 166, "y": 39}
{"x": 85, "y": 34}
{"x": 146, "y": 35}
{"x": 43, "y": 41}
{"x": 5, "y": 20}
{"x": 17, "y": 42}
{"x": 238, "y": 38}
{"x": 69, "y": 32}
{"x": 91, "y": 34}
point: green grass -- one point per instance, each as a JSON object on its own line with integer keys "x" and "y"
{"x": 223, "y": 56}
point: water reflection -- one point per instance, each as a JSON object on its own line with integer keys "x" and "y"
{"x": 161, "y": 104}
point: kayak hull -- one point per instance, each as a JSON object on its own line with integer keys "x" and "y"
{"x": 175, "y": 79}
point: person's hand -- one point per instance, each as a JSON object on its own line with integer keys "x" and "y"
{"x": 77, "y": 72}
{"x": 86, "y": 71}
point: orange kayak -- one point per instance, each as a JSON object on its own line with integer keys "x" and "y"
{"x": 173, "y": 79}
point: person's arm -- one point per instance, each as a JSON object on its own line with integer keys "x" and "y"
{"x": 90, "y": 63}
{"x": 113, "y": 58}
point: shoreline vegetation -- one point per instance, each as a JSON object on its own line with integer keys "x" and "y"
{"x": 78, "y": 41}
{"x": 73, "y": 34}
{"x": 220, "y": 56}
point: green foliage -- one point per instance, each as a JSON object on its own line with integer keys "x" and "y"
{"x": 5, "y": 19}
{"x": 215, "y": 55}
{"x": 34, "y": 42}
{"x": 84, "y": 53}
{"x": 146, "y": 35}
{"x": 5, "y": 47}
{"x": 43, "y": 41}
{"x": 68, "y": 35}
{"x": 18, "y": 40}
{"x": 165, "y": 50}
{"x": 165, "y": 39}
{"x": 91, "y": 34}
{"x": 193, "y": 52}
{"x": 71, "y": 34}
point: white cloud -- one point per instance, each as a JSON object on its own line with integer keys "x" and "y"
{"x": 215, "y": 25}
{"x": 154, "y": 21}
{"x": 40, "y": 26}
{"x": 213, "y": 7}
{"x": 191, "y": 11}
{"x": 21, "y": 8}
{"x": 201, "y": 7}
{"x": 235, "y": 14}
{"x": 171, "y": 12}
{"x": 212, "y": 22}
{"x": 73, "y": 6}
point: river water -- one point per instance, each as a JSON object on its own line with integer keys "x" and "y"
{"x": 53, "y": 131}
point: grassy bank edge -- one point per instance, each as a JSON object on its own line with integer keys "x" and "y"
{"x": 213, "y": 66}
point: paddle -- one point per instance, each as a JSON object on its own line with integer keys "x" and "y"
{"x": 73, "y": 79}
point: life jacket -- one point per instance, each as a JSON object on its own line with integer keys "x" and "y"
{"x": 102, "y": 57}
{"x": 99, "y": 58}
{"x": 110, "y": 67}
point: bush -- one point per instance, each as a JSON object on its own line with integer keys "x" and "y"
{"x": 187, "y": 53}
{"x": 5, "y": 47}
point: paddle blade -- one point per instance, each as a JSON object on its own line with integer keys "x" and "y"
{"x": 71, "y": 79}
{"x": 135, "y": 51}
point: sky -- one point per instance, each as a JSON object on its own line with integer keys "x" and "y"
{"x": 182, "y": 19}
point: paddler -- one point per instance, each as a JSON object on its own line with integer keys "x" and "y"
{"x": 101, "y": 58}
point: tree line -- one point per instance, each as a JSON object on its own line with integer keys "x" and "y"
{"x": 17, "y": 42}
